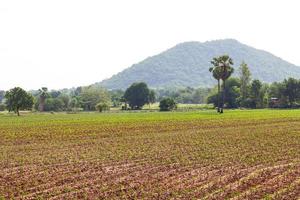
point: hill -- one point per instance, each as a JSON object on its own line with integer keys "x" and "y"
{"x": 187, "y": 64}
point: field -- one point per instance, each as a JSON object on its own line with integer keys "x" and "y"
{"x": 179, "y": 155}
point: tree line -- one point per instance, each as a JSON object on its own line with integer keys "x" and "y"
{"x": 230, "y": 92}
{"x": 243, "y": 92}
{"x": 92, "y": 98}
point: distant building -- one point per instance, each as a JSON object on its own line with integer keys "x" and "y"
{"x": 274, "y": 102}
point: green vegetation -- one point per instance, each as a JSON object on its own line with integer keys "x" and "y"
{"x": 236, "y": 93}
{"x": 245, "y": 78}
{"x": 167, "y": 104}
{"x": 222, "y": 69}
{"x": 153, "y": 155}
{"x": 137, "y": 95}
{"x": 239, "y": 94}
{"x": 102, "y": 107}
{"x": 243, "y": 93}
{"x": 90, "y": 96}
{"x": 247, "y": 154}
{"x": 180, "y": 107}
{"x": 232, "y": 97}
{"x": 133, "y": 152}
{"x": 18, "y": 99}
{"x": 186, "y": 95}
{"x": 185, "y": 65}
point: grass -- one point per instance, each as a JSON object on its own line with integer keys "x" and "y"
{"x": 181, "y": 107}
{"x": 240, "y": 154}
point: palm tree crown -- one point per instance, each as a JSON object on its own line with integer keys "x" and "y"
{"x": 222, "y": 69}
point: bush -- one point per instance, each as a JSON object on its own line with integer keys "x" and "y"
{"x": 248, "y": 103}
{"x": 102, "y": 107}
{"x": 2, "y": 107}
{"x": 167, "y": 104}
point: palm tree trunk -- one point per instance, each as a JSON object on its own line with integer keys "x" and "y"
{"x": 42, "y": 104}
{"x": 219, "y": 88}
{"x": 223, "y": 96}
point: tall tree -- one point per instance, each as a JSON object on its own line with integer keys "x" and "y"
{"x": 43, "y": 94}
{"x": 256, "y": 86}
{"x": 217, "y": 74}
{"x": 92, "y": 95}
{"x": 245, "y": 78}
{"x": 291, "y": 90}
{"x": 137, "y": 95}
{"x": 18, "y": 99}
{"x": 225, "y": 63}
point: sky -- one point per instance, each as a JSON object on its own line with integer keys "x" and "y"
{"x": 68, "y": 43}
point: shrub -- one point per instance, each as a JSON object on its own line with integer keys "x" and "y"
{"x": 102, "y": 107}
{"x": 167, "y": 104}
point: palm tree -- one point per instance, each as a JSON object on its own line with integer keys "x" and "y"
{"x": 225, "y": 64}
{"x": 216, "y": 72}
{"x": 43, "y": 93}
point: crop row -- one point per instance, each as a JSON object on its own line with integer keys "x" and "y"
{"x": 194, "y": 155}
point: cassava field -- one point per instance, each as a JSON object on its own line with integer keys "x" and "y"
{"x": 179, "y": 155}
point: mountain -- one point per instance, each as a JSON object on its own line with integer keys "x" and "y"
{"x": 187, "y": 64}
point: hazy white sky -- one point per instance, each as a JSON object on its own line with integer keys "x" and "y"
{"x": 65, "y": 43}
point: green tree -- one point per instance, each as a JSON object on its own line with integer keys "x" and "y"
{"x": 264, "y": 95}
{"x": 43, "y": 95}
{"x": 152, "y": 97}
{"x": 53, "y": 104}
{"x": 116, "y": 97}
{"x": 225, "y": 63}
{"x": 245, "y": 78}
{"x": 232, "y": 90}
{"x": 65, "y": 99}
{"x": 255, "y": 91}
{"x": 199, "y": 95}
{"x": 18, "y": 99}
{"x": 167, "y": 104}
{"x": 137, "y": 95}
{"x": 187, "y": 95}
{"x": 92, "y": 95}
{"x": 75, "y": 103}
{"x": 291, "y": 90}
